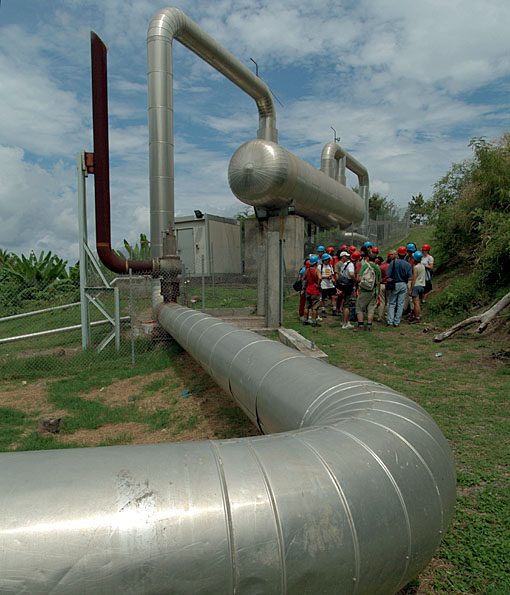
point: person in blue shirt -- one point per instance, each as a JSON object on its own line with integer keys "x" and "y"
{"x": 401, "y": 272}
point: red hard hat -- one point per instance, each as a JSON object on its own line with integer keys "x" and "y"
{"x": 402, "y": 250}
{"x": 375, "y": 250}
{"x": 389, "y": 254}
{"x": 344, "y": 247}
{"x": 330, "y": 250}
{"x": 425, "y": 247}
{"x": 307, "y": 263}
{"x": 352, "y": 249}
{"x": 356, "y": 255}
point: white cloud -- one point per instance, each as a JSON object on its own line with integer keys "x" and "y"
{"x": 406, "y": 85}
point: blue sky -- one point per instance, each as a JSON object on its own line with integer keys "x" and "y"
{"x": 405, "y": 84}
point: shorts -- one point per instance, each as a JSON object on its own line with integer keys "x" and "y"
{"x": 366, "y": 302}
{"x": 418, "y": 291}
{"x": 312, "y": 301}
{"x": 328, "y": 292}
{"x": 350, "y": 299}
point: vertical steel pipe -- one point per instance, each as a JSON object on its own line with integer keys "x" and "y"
{"x": 167, "y": 25}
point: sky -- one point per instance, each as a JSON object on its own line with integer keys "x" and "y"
{"x": 406, "y": 85}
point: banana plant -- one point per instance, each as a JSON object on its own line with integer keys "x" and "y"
{"x": 36, "y": 271}
{"x": 5, "y": 257}
{"x": 136, "y": 252}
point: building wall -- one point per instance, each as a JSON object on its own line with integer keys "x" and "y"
{"x": 217, "y": 239}
{"x": 225, "y": 246}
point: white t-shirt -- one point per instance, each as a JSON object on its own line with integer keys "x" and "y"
{"x": 426, "y": 260}
{"x": 345, "y": 269}
{"x": 327, "y": 276}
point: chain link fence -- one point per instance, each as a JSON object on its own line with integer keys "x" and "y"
{"x": 40, "y": 323}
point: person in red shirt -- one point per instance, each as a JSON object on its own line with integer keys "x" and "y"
{"x": 312, "y": 278}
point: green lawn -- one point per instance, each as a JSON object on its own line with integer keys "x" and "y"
{"x": 466, "y": 389}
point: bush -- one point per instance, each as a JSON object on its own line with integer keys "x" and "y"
{"x": 471, "y": 211}
{"x": 458, "y": 298}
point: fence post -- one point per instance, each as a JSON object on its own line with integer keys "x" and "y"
{"x": 203, "y": 281}
{"x": 131, "y": 317}
{"x": 212, "y": 270}
{"x": 116, "y": 315}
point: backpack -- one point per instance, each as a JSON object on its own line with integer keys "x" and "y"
{"x": 367, "y": 281}
{"x": 344, "y": 283}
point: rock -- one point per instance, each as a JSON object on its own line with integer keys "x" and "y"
{"x": 50, "y": 424}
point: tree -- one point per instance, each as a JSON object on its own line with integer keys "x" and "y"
{"x": 380, "y": 207}
{"x": 419, "y": 210}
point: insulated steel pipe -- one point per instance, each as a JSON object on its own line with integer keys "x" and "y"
{"x": 101, "y": 165}
{"x": 334, "y": 161}
{"x": 351, "y": 493}
{"x": 167, "y": 25}
{"x": 264, "y": 174}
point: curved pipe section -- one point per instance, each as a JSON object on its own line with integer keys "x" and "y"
{"x": 264, "y": 174}
{"x": 166, "y": 25}
{"x": 101, "y": 164}
{"x": 351, "y": 494}
{"x": 334, "y": 161}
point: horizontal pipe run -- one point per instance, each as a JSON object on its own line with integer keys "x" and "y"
{"x": 34, "y": 312}
{"x": 359, "y": 482}
{"x": 352, "y": 494}
{"x": 56, "y": 331}
{"x": 264, "y": 174}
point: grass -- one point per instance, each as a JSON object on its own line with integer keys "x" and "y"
{"x": 466, "y": 390}
{"x": 222, "y": 296}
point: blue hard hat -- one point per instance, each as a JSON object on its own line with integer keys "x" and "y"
{"x": 367, "y": 245}
{"x": 411, "y": 247}
{"x": 321, "y": 249}
{"x": 314, "y": 259}
{"x": 417, "y": 256}
{"x": 326, "y": 257}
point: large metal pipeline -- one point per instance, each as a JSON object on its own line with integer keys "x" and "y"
{"x": 167, "y": 25}
{"x": 263, "y": 174}
{"x": 351, "y": 493}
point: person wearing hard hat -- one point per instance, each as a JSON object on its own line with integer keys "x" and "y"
{"x": 369, "y": 281}
{"x": 328, "y": 289}
{"x": 345, "y": 282}
{"x": 312, "y": 278}
{"x": 400, "y": 272}
{"x": 428, "y": 262}
{"x": 417, "y": 287}
{"x": 382, "y": 308}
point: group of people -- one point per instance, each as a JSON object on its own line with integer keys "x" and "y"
{"x": 359, "y": 283}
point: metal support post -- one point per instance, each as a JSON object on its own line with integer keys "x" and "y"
{"x": 131, "y": 317}
{"x": 281, "y": 281}
{"x": 273, "y": 279}
{"x": 82, "y": 231}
